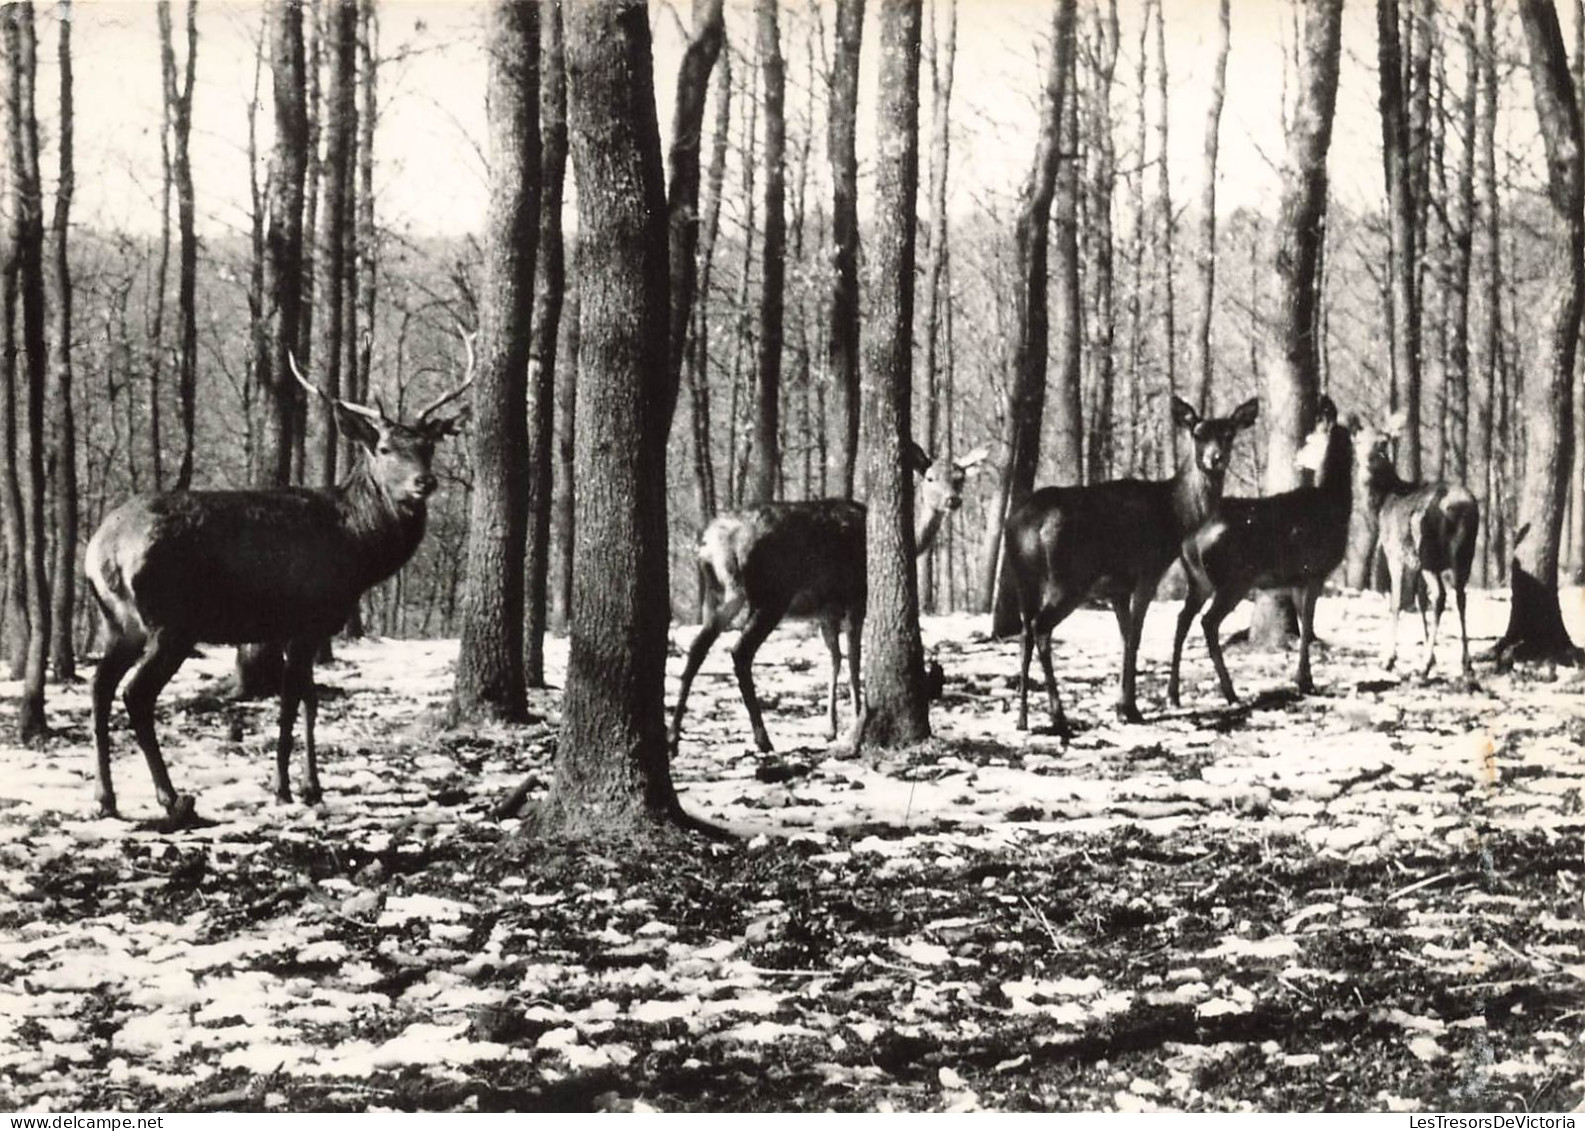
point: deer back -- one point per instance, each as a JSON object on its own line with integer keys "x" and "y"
{"x": 805, "y": 558}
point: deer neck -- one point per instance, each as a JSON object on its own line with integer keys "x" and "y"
{"x": 1337, "y": 479}
{"x": 929, "y": 525}
{"x": 1194, "y": 492}
{"x": 1382, "y": 481}
{"x": 385, "y": 532}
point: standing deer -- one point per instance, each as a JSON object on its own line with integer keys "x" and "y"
{"x": 1116, "y": 539}
{"x": 806, "y": 560}
{"x": 1293, "y": 540}
{"x": 255, "y": 566}
{"x": 1426, "y": 532}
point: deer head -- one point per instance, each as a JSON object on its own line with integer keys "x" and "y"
{"x": 1213, "y": 439}
{"x": 397, "y": 454}
{"x": 941, "y": 489}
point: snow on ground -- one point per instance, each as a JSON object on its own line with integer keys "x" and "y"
{"x": 279, "y": 949}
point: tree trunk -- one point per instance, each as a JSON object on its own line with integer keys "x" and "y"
{"x": 1535, "y": 625}
{"x": 843, "y": 343}
{"x": 566, "y": 447}
{"x": 1461, "y": 222}
{"x": 15, "y": 592}
{"x": 490, "y": 680}
{"x": 765, "y": 473}
{"x": 896, "y": 702}
{"x": 1200, "y": 396}
{"x": 179, "y": 100}
{"x": 550, "y": 283}
{"x": 1102, "y": 182}
{"x": 259, "y": 667}
{"x": 28, "y": 216}
{"x": 698, "y": 347}
{"x": 1167, "y": 451}
{"x": 943, "y": 55}
{"x": 368, "y": 233}
{"x": 1398, "y": 170}
{"x": 335, "y": 218}
{"x": 612, "y": 771}
{"x": 63, "y": 613}
{"x": 1067, "y": 435}
{"x": 1026, "y": 362}
{"x": 1293, "y": 378}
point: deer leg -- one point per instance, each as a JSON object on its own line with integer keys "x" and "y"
{"x": 1192, "y": 602}
{"x": 830, "y": 630}
{"x": 1222, "y": 603}
{"x": 1395, "y": 594}
{"x": 1059, "y": 721}
{"x": 855, "y": 651}
{"x": 1463, "y": 630}
{"x": 1308, "y": 595}
{"x": 1433, "y": 577}
{"x": 118, "y": 659}
{"x": 298, "y": 687}
{"x": 1026, "y": 649}
{"x": 760, "y": 623}
{"x": 708, "y": 631}
{"x": 1133, "y": 625}
{"x": 162, "y": 655}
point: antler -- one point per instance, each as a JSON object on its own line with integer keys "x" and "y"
{"x": 350, "y": 406}
{"x": 446, "y": 398}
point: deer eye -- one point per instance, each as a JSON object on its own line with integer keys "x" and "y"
{"x": 382, "y": 448}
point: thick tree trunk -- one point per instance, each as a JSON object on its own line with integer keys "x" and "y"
{"x": 1167, "y": 451}
{"x": 1102, "y": 183}
{"x": 765, "y": 470}
{"x": 566, "y": 446}
{"x": 1293, "y": 377}
{"x": 550, "y": 281}
{"x": 15, "y": 613}
{"x": 28, "y": 215}
{"x": 896, "y": 702}
{"x": 335, "y": 218}
{"x": 63, "y": 612}
{"x": 1067, "y": 434}
{"x": 1398, "y": 167}
{"x": 259, "y": 667}
{"x": 843, "y": 342}
{"x": 1026, "y": 362}
{"x": 612, "y": 771}
{"x": 1535, "y": 625}
{"x": 1461, "y": 223}
{"x": 490, "y": 680}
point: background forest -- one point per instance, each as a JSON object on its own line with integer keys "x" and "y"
{"x": 1433, "y": 279}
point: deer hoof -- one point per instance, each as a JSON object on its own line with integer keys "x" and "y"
{"x": 762, "y": 744}
{"x": 1129, "y": 713}
{"x": 1390, "y": 664}
{"x": 312, "y": 794}
{"x": 107, "y": 806}
{"x": 179, "y": 813}
{"x": 283, "y": 794}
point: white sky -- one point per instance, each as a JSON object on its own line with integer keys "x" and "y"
{"x": 431, "y": 173}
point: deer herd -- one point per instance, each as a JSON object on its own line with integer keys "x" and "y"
{"x": 286, "y": 566}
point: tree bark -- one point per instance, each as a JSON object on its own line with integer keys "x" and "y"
{"x": 1026, "y": 362}
{"x": 1293, "y": 378}
{"x": 1398, "y": 168}
{"x": 15, "y": 612}
{"x": 1067, "y": 435}
{"x": 550, "y": 281}
{"x": 1200, "y": 396}
{"x": 1167, "y": 451}
{"x": 490, "y": 678}
{"x": 843, "y": 343}
{"x": 566, "y": 447}
{"x": 612, "y": 771}
{"x": 63, "y": 612}
{"x": 1535, "y": 625}
{"x": 179, "y": 99}
{"x": 28, "y": 216}
{"x": 1102, "y": 183}
{"x": 335, "y": 218}
{"x": 896, "y": 702}
{"x": 697, "y": 356}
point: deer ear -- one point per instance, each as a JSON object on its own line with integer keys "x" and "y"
{"x": 1245, "y": 415}
{"x": 356, "y": 427}
{"x": 915, "y": 458}
{"x": 1183, "y": 414}
{"x": 973, "y": 459}
{"x": 1396, "y": 423}
{"x": 450, "y": 425}
{"x": 1326, "y": 410}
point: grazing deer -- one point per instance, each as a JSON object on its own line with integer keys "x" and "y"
{"x": 255, "y": 566}
{"x": 1116, "y": 539}
{"x": 806, "y": 560}
{"x": 1293, "y": 540}
{"x": 1426, "y": 532}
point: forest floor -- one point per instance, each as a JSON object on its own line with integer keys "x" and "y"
{"x": 1366, "y": 899}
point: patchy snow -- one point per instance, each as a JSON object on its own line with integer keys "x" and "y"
{"x": 366, "y": 939}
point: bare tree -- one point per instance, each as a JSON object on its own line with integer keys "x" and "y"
{"x": 766, "y": 468}
{"x": 897, "y": 704}
{"x": 550, "y": 282}
{"x": 27, "y": 204}
{"x": 1200, "y": 396}
{"x": 612, "y": 772}
{"x": 943, "y": 55}
{"x": 179, "y": 103}
{"x": 1535, "y": 624}
{"x": 490, "y": 680}
{"x": 63, "y": 611}
{"x": 843, "y": 342}
{"x": 1026, "y": 362}
{"x": 1293, "y": 378}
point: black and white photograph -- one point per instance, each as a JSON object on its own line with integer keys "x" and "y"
{"x": 879, "y": 556}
